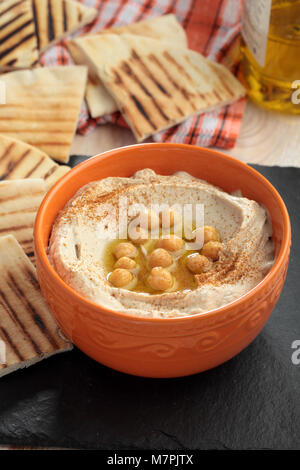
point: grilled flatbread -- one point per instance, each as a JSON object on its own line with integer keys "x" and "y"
{"x": 28, "y": 331}
{"x": 19, "y": 203}
{"x": 157, "y": 85}
{"x": 42, "y": 107}
{"x": 18, "y": 42}
{"x": 99, "y": 101}
{"x": 54, "y": 19}
{"x": 19, "y": 160}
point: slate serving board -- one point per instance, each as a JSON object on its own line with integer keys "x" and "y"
{"x": 251, "y": 402}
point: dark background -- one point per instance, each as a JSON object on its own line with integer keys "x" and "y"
{"x": 250, "y": 402}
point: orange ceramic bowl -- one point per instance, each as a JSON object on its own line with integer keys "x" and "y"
{"x": 163, "y": 347}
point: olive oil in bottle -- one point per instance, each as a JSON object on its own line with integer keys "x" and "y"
{"x": 270, "y": 62}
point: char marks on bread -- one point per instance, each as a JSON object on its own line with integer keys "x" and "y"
{"x": 18, "y": 41}
{"x": 155, "y": 84}
{"x": 54, "y": 19}
{"x": 19, "y": 160}
{"x": 42, "y": 107}
{"x": 99, "y": 100}
{"x": 28, "y": 330}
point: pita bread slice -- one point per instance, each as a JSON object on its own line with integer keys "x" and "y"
{"x": 19, "y": 160}
{"x": 42, "y": 107}
{"x": 18, "y": 42}
{"x": 99, "y": 101}
{"x": 54, "y": 19}
{"x": 19, "y": 203}
{"x": 157, "y": 85}
{"x": 28, "y": 330}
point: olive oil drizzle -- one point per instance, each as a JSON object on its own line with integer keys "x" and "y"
{"x": 184, "y": 280}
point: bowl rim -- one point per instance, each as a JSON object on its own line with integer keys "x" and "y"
{"x": 40, "y": 249}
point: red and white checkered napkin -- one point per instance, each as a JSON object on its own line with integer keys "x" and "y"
{"x": 213, "y": 28}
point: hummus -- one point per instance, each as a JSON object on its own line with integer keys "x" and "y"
{"x": 85, "y": 244}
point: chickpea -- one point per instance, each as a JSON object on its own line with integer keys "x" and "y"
{"x": 125, "y": 263}
{"x": 197, "y": 263}
{"x": 169, "y": 218}
{"x": 120, "y": 277}
{"x": 172, "y": 243}
{"x": 212, "y": 250}
{"x": 211, "y": 234}
{"x": 139, "y": 237}
{"x": 160, "y": 257}
{"x": 160, "y": 279}
{"x": 125, "y": 249}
